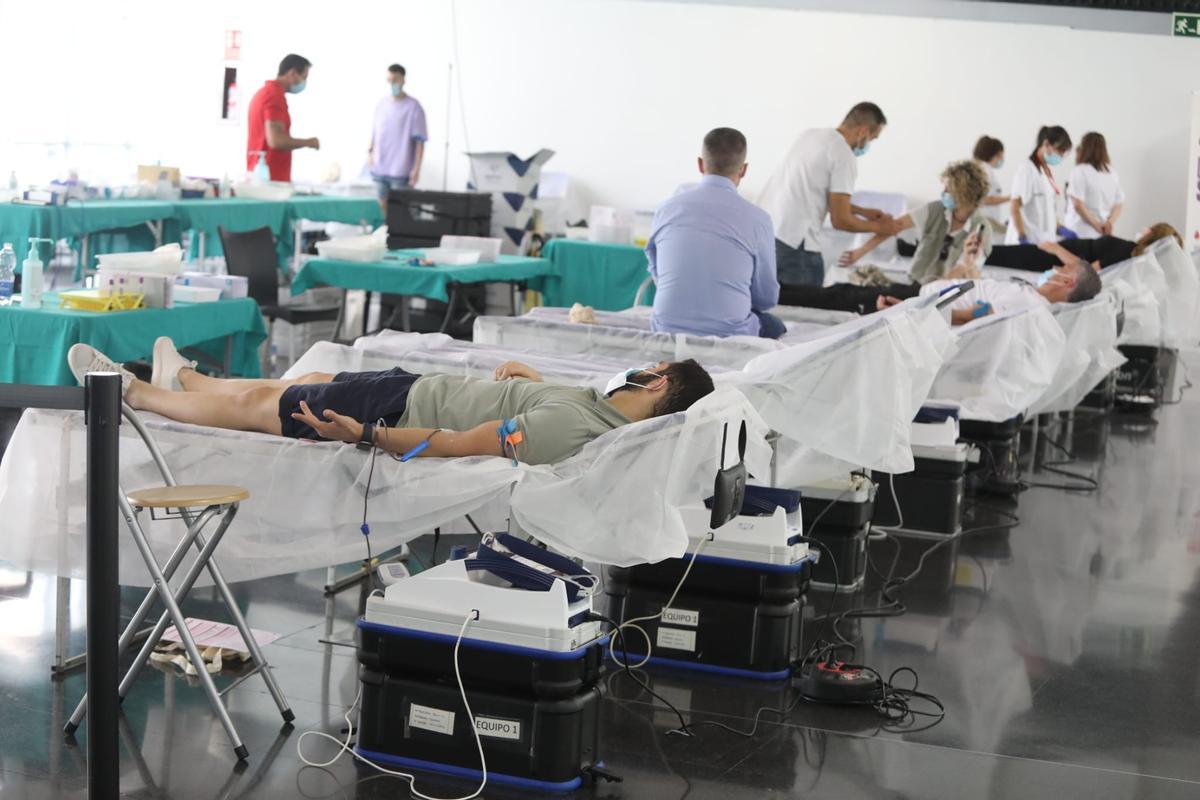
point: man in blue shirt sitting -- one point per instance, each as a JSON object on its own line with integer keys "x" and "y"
{"x": 712, "y": 253}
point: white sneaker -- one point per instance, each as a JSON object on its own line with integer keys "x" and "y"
{"x": 167, "y": 363}
{"x": 83, "y": 358}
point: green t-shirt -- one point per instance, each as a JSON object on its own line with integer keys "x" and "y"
{"x": 555, "y": 421}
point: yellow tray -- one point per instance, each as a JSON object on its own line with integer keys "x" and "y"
{"x": 100, "y": 300}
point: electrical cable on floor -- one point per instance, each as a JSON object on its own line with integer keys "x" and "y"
{"x": 617, "y": 633}
{"x": 1086, "y": 482}
{"x": 750, "y": 734}
{"x": 344, "y": 745}
{"x": 632, "y": 623}
{"x": 1187, "y": 383}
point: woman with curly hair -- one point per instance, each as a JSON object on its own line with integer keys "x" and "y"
{"x": 945, "y": 228}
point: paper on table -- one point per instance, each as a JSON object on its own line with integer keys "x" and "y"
{"x": 218, "y": 634}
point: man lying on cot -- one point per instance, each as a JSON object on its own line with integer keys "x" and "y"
{"x": 516, "y": 415}
{"x": 1073, "y": 283}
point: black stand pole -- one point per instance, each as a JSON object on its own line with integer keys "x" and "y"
{"x": 102, "y": 406}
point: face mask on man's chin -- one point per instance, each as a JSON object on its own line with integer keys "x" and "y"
{"x": 621, "y": 379}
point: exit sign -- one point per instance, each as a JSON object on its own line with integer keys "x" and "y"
{"x": 1185, "y": 24}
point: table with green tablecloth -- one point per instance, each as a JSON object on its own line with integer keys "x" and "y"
{"x": 92, "y": 226}
{"x": 395, "y": 275}
{"x": 34, "y": 342}
{"x": 330, "y": 208}
{"x": 603, "y": 276}
{"x": 204, "y": 217}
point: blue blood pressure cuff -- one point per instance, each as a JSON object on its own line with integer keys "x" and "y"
{"x": 527, "y": 566}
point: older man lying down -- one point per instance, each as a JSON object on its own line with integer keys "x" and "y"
{"x": 515, "y": 415}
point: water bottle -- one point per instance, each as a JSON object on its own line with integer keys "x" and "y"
{"x": 8, "y": 272}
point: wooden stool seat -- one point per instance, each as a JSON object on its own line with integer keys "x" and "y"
{"x": 187, "y": 496}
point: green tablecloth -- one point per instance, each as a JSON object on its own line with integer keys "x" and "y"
{"x": 603, "y": 276}
{"x": 122, "y": 224}
{"x": 236, "y": 214}
{"x": 333, "y": 208}
{"x": 394, "y": 276}
{"x": 34, "y": 343}
{"x": 205, "y": 216}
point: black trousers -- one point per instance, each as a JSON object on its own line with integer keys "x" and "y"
{"x": 844, "y": 296}
{"x": 1107, "y": 250}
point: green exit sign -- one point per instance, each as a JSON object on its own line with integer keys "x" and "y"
{"x": 1185, "y": 24}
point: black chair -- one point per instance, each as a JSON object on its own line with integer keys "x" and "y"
{"x": 252, "y": 255}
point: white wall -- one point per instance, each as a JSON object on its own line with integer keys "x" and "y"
{"x": 623, "y": 91}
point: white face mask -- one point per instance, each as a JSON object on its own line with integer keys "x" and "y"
{"x": 621, "y": 380}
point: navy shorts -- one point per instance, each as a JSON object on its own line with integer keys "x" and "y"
{"x": 364, "y": 396}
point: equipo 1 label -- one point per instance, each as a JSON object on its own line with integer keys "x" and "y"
{"x": 499, "y": 728}
{"x": 681, "y": 616}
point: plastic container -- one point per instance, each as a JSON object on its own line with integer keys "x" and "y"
{"x": 157, "y": 290}
{"x": 197, "y": 294}
{"x": 8, "y": 269}
{"x": 99, "y": 300}
{"x": 721, "y": 635}
{"x": 165, "y": 260}
{"x": 231, "y": 287}
{"x": 270, "y": 190}
{"x": 354, "y": 248}
{"x": 483, "y": 665}
{"x": 452, "y": 258}
{"x": 531, "y": 743}
{"x": 488, "y": 248}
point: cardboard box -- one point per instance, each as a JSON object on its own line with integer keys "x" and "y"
{"x": 513, "y": 184}
{"x": 150, "y": 173}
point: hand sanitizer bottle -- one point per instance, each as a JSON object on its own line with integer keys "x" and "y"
{"x": 31, "y": 277}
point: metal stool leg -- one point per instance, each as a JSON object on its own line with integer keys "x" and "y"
{"x": 131, "y": 630}
{"x": 256, "y": 652}
{"x": 189, "y": 580}
{"x": 174, "y": 614}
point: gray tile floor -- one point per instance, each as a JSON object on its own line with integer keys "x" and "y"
{"x": 1065, "y": 651}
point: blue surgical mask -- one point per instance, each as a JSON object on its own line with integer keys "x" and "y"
{"x": 298, "y": 88}
{"x": 1000, "y": 164}
{"x": 1053, "y": 160}
{"x": 1045, "y": 277}
{"x": 621, "y": 380}
{"x": 862, "y": 149}
{"x": 948, "y": 201}
{"x": 397, "y": 88}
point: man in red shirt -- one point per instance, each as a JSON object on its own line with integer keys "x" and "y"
{"x": 269, "y": 121}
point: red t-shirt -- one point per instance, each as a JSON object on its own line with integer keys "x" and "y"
{"x": 269, "y": 105}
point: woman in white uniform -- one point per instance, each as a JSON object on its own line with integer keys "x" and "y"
{"x": 1094, "y": 194}
{"x": 1034, "y": 192}
{"x": 989, "y": 154}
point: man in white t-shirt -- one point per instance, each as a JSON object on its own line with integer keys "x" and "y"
{"x": 816, "y": 178}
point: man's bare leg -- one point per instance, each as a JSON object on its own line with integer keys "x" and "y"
{"x": 251, "y": 409}
{"x": 193, "y": 381}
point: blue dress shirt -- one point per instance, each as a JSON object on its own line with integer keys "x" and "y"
{"x": 712, "y": 256}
